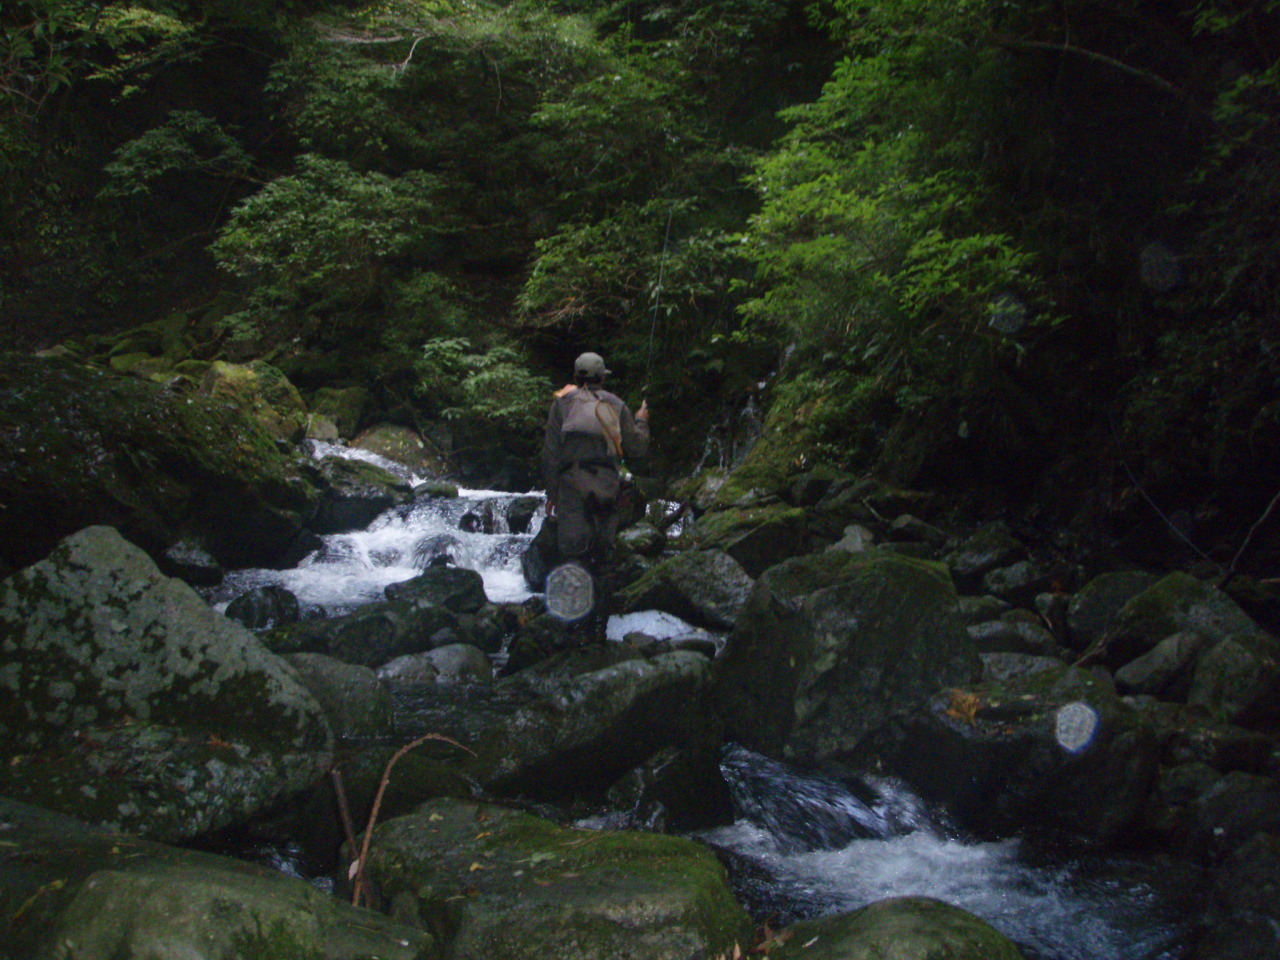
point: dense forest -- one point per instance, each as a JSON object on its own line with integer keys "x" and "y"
{"x": 1021, "y": 252}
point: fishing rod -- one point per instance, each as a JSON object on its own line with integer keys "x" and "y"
{"x": 657, "y": 299}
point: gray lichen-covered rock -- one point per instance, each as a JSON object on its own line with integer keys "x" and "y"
{"x": 901, "y": 928}
{"x": 130, "y": 703}
{"x": 829, "y": 646}
{"x": 354, "y": 699}
{"x": 1092, "y": 610}
{"x": 1174, "y": 603}
{"x": 67, "y": 890}
{"x": 493, "y": 882}
{"x": 704, "y": 587}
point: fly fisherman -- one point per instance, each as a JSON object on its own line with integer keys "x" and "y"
{"x": 589, "y": 432}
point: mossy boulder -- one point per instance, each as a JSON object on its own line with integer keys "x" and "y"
{"x": 901, "y": 928}
{"x": 130, "y": 703}
{"x": 1054, "y": 754}
{"x": 1175, "y": 603}
{"x": 454, "y": 588}
{"x": 756, "y": 537}
{"x": 707, "y": 588}
{"x": 262, "y": 392}
{"x": 343, "y": 406}
{"x": 404, "y": 446}
{"x": 80, "y": 446}
{"x": 355, "y": 701}
{"x": 984, "y": 550}
{"x": 1238, "y": 680}
{"x": 1092, "y": 609}
{"x": 374, "y": 633}
{"x": 354, "y": 494}
{"x": 67, "y": 889}
{"x": 830, "y": 645}
{"x": 487, "y": 882}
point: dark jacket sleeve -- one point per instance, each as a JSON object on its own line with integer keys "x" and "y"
{"x": 635, "y": 435}
{"x": 551, "y": 450}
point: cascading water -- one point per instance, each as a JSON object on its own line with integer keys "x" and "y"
{"x": 808, "y": 845}
{"x": 804, "y": 844}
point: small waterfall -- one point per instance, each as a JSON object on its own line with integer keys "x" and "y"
{"x": 732, "y": 437}
{"x": 807, "y": 845}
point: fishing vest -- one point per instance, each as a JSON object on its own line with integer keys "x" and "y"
{"x": 585, "y": 412}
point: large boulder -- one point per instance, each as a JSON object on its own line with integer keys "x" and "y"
{"x": 756, "y": 537}
{"x": 901, "y": 928}
{"x": 1176, "y": 603}
{"x": 68, "y": 890}
{"x": 1238, "y": 680}
{"x": 355, "y": 492}
{"x": 262, "y": 392}
{"x": 354, "y": 699}
{"x": 831, "y": 645}
{"x": 1052, "y": 753}
{"x": 491, "y": 882}
{"x": 373, "y": 634}
{"x": 343, "y": 406}
{"x": 80, "y": 446}
{"x": 1092, "y": 610}
{"x": 129, "y": 703}
{"x": 454, "y": 588}
{"x": 707, "y": 588}
{"x": 404, "y": 446}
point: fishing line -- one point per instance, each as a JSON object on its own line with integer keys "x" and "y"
{"x": 657, "y": 299}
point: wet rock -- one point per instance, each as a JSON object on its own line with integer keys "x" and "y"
{"x": 82, "y": 447}
{"x": 355, "y": 493}
{"x": 493, "y": 882}
{"x": 373, "y": 634}
{"x": 974, "y": 610}
{"x": 644, "y": 539}
{"x": 140, "y": 707}
{"x": 677, "y": 790}
{"x": 354, "y": 700}
{"x": 1004, "y": 636}
{"x": 1175, "y": 603}
{"x": 1092, "y": 610}
{"x": 404, "y": 446}
{"x": 1233, "y": 810}
{"x": 987, "y": 549}
{"x": 1166, "y": 671}
{"x": 103, "y": 896}
{"x": 454, "y": 588}
{"x": 343, "y": 406}
{"x": 460, "y": 663}
{"x": 1238, "y": 680}
{"x": 1053, "y": 754}
{"x": 262, "y": 392}
{"x": 541, "y": 556}
{"x": 706, "y": 588}
{"x": 521, "y": 512}
{"x": 1019, "y": 583}
{"x": 913, "y": 529}
{"x": 757, "y": 537}
{"x": 998, "y": 667}
{"x": 264, "y": 607}
{"x": 436, "y": 550}
{"x": 436, "y": 488}
{"x": 318, "y": 427}
{"x": 856, "y": 539}
{"x": 829, "y": 646}
{"x": 905, "y": 928}
{"x": 190, "y": 563}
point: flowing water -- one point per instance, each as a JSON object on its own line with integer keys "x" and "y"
{"x": 804, "y": 844}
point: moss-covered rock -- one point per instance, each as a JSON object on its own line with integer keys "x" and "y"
{"x": 704, "y": 587}
{"x": 901, "y": 928}
{"x": 262, "y": 392}
{"x": 830, "y": 645}
{"x": 128, "y": 702}
{"x": 1092, "y": 609}
{"x": 493, "y": 882}
{"x": 354, "y": 699}
{"x": 343, "y": 406}
{"x": 404, "y": 446}
{"x": 80, "y": 446}
{"x": 1052, "y": 753}
{"x": 70, "y": 890}
{"x": 354, "y": 494}
{"x": 756, "y": 537}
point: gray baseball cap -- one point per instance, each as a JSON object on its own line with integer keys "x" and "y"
{"x": 590, "y": 365}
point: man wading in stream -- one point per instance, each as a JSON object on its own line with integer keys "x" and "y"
{"x": 589, "y": 432}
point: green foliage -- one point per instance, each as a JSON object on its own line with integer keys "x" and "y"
{"x": 494, "y": 386}
{"x": 187, "y": 142}
{"x": 326, "y": 233}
